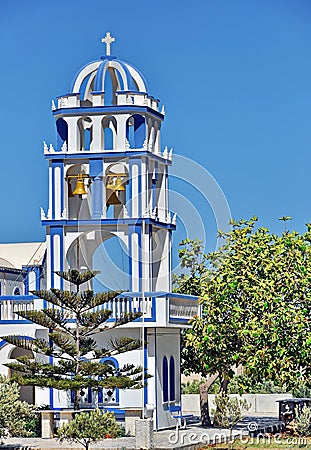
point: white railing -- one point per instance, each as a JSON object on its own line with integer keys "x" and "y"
{"x": 10, "y": 305}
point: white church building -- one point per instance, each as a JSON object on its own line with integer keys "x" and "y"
{"x": 108, "y": 178}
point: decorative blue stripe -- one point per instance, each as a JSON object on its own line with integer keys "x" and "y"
{"x": 104, "y": 222}
{"x": 141, "y": 75}
{"x": 16, "y": 298}
{"x": 179, "y": 320}
{"x": 99, "y": 82}
{"x": 14, "y": 322}
{"x": 106, "y": 155}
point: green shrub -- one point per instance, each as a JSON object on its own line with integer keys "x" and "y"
{"x": 14, "y": 414}
{"x": 303, "y": 421}
{"x": 87, "y": 428}
{"x": 228, "y": 413}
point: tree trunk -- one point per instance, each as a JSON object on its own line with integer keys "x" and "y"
{"x": 224, "y": 384}
{"x": 204, "y": 387}
{"x": 76, "y": 400}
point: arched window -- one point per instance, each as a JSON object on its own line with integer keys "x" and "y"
{"x": 165, "y": 379}
{"x": 85, "y": 127}
{"x": 172, "y": 378}
{"x": 109, "y": 395}
{"x": 62, "y": 133}
{"x": 16, "y": 291}
{"x": 136, "y": 131}
{"x": 31, "y": 281}
{"x": 109, "y": 125}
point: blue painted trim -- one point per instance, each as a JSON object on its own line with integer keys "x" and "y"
{"x": 111, "y": 359}
{"x": 178, "y": 320}
{"x": 172, "y": 393}
{"x": 103, "y": 222}
{"x": 131, "y": 230}
{"x": 14, "y": 322}
{"x": 3, "y": 343}
{"x": 140, "y": 262}
{"x": 58, "y": 163}
{"x": 141, "y": 75}
{"x": 16, "y": 298}
{"x": 106, "y": 155}
{"x": 115, "y": 362}
{"x": 57, "y": 230}
{"x": 109, "y": 109}
{"x": 165, "y": 380}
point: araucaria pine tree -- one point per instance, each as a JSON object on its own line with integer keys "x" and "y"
{"x": 72, "y": 320}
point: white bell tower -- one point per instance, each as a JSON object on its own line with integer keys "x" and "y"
{"x": 108, "y": 176}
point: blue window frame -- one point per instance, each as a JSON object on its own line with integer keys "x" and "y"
{"x": 172, "y": 378}
{"x": 165, "y": 379}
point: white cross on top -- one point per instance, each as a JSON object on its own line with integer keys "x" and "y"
{"x": 108, "y": 41}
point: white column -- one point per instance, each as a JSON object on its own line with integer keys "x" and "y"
{"x": 134, "y": 173}
{"x": 50, "y": 191}
{"x": 135, "y": 262}
{"x": 162, "y": 195}
{"x": 121, "y": 131}
{"x": 73, "y": 144}
{"x": 146, "y": 258}
{"x": 144, "y": 187}
{"x": 97, "y": 141}
{"x": 57, "y": 193}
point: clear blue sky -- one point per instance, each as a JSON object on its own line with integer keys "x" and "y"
{"x": 234, "y": 76}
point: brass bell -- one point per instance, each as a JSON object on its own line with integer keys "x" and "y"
{"x": 79, "y": 189}
{"x": 115, "y": 184}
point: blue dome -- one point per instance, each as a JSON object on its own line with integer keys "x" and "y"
{"x": 124, "y": 77}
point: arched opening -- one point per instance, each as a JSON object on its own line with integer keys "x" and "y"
{"x": 16, "y": 291}
{"x": 26, "y": 393}
{"x": 172, "y": 379}
{"x": 136, "y": 131}
{"x": 109, "y": 395}
{"x": 111, "y": 258}
{"x": 85, "y": 127}
{"x": 77, "y": 205}
{"x": 165, "y": 379}
{"x": 116, "y": 179}
{"x": 109, "y": 125}
{"x": 31, "y": 281}
{"x": 62, "y": 133}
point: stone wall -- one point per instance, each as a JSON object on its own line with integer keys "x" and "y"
{"x": 261, "y": 404}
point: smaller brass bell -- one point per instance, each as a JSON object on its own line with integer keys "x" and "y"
{"x": 115, "y": 184}
{"x": 79, "y": 189}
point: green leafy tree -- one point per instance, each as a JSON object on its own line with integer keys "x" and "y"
{"x": 87, "y": 428}
{"x": 194, "y": 262}
{"x": 14, "y": 414}
{"x": 256, "y": 308}
{"x": 73, "y": 320}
